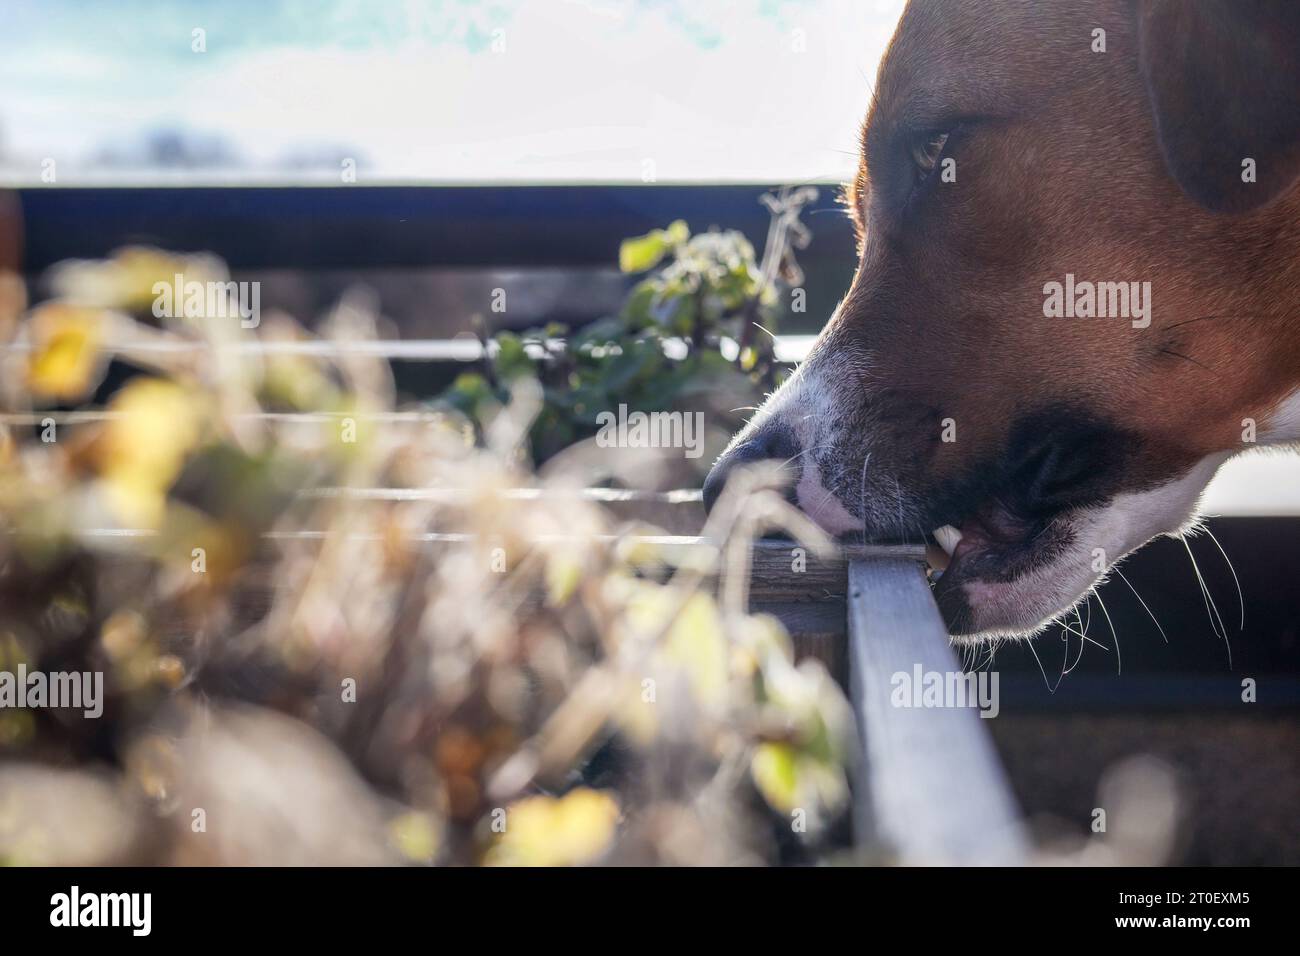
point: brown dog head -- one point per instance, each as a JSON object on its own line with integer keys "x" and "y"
{"x": 1076, "y": 290}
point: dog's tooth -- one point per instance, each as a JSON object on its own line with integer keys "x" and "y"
{"x": 947, "y": 536}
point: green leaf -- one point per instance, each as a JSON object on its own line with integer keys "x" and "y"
{"x": 601, "y": 332}
{"x": 701, "y": 288}
{"x": 685, "y": 315}
{"x": 643, "y": 252}
{"x": 637, "y": 309}
{"x": 512, "y": 359}
{"x": 471, "y": 387}
{"x": 638, "y": 359}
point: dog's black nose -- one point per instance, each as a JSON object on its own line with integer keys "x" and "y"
{"x": 770, "y": 442}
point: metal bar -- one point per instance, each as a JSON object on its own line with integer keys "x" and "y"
{"x": 788, "y": 348}
{"x": 932, "y": 790}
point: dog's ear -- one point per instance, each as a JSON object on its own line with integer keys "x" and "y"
{"x": 1223, "y": 79}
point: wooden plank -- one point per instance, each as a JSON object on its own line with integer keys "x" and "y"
{"x": 773, "y": 578}
{"x": 783, "y": 572}
{"x": 817, "y": 630}
{"x": 809, "y": 601}
{"x": 931, "y": 788}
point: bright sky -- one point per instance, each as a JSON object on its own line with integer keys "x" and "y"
{"x": 440, "y": 90}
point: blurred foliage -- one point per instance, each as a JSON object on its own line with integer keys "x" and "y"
{"x": 299, "y": 671}
{"x": 696, "y": 332}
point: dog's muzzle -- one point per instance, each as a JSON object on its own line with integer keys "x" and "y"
{"x": 772, "y": 441}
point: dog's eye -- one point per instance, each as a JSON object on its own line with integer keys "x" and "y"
{"x": 926, "y": 150}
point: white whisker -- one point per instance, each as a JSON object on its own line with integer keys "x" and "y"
{"x": 1143, "y": 603}
{"x": 1211, "y": 608}
{"x": 1119, "y": 662}
{"x": 1241, "y": 600}
{"x": 1046, "y": 683}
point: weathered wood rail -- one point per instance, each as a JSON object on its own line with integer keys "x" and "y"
{"x": 930, "y": 786}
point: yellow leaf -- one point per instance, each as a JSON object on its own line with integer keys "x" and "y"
{"x": 697, "y": 645}
{"x": 563, "y": 575}
{"x": 766, "y": 636}
{"x": 65, "y": 360}
{"x": 637, "y": 714}
{"x": 636, "y": 551}
{"x": 145, "y": 446}
{"x": 137, "y": 269}
{"x": 127, "y": 280}
{"x": 136, "y": 502}
{"x": 774, "y": 770}
{"x": 415, "y": 835}
{"x": 546, "y": 831}
{"x": 694, "y": 641}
